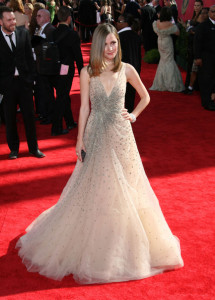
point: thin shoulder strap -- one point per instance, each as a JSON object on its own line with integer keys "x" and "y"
{"x": 122, "y": 70}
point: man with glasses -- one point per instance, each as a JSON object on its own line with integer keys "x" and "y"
{"x": 204, "y": 54}
{"x": 44, "y": 92}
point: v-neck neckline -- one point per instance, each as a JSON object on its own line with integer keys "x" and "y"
{"x": 108, "y": 96}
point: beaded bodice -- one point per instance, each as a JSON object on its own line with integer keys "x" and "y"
{"x": 111, "y": 104}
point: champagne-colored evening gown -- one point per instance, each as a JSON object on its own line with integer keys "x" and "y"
{"x": 107, "y": 225}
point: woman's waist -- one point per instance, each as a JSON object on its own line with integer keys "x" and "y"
{"x": 102, "y": 111}
{"x": 109, "y": 115}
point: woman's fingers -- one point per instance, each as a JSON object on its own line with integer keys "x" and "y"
{"x": 125, "y": 114}
{"x": 78, "y": 152}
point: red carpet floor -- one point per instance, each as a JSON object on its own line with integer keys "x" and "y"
{"x": 175, "y": 137}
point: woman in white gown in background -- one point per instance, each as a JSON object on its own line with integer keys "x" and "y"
{"x": 168, "y": 76}
{"x": 107, "y": 225}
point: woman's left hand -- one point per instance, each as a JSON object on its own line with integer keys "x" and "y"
{"x": 126, "y": 114}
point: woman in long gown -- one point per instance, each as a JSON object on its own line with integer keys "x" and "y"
{"x": 168, "y": 76}
{"x": 107, "y": 225}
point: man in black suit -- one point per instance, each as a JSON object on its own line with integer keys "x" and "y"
{"x": 70, "y": 52}
{"x": 44, "y": 92}
{"x": 204, "y": 55}
{"x": 87, "y": 16}
{"x": 16, "y": 80}
{"x": 174, "y": 9}
{"x": 157, "y": 7}
{"x": 148, "y": 16}
{"x": 133, "y": 8}
{"x": 131, "y": 53}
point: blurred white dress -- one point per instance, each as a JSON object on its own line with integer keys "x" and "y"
{"x": 168, "y": 76}
{"x": 107, "y": 225}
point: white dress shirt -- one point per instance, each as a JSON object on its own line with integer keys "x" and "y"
{"x": 124, "y": 29}
{"x": 7, "y": 39}
{"x": 212, "y": 21}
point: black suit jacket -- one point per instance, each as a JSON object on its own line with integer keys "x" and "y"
{"x": 87, "y": 12}
{"x": 48, "y": 31}
{"x": 174, "y": 11}
{"x": 22, "y": 59}
{"x": 204, "y": 39}
{"x": 132, "y": 8}
{"x": 69, "y": 47}
{"x": 148, "y": 16}
{"x": 157, "y": 9}
{"x": 37, "y": 42}
{"x": 131, "y": 48}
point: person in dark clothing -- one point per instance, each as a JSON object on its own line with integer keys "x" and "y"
{"x": 87, "y": 16}
{"x": 174, "y": 11}
{"x": 173, "y": 8}
{"x": 131, "y": 53}
{"x": 2, "y": 120}
{"x": 70, "y": 52}
{"x": 148, "y": 16}
{"x": 16, "y": 82}
{"x": 68, "y": 4}
{"x": 157, "y": 7}
{"x": 133, "y": 8}
{"x": 43, "y": 91}
{"x": 204, "y": 55}
{"x": 192, "y": 25}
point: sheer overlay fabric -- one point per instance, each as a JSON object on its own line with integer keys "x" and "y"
{"x": 107, "y": 225}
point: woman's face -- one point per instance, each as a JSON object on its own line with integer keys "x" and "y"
{"x": 27, "y": 10}
{"x": 197, "y": 7}
{"x": 111, "y": 47}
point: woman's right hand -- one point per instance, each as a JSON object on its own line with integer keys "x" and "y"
{"x": 79, "y": 146}
{"x": 126, "y": 114}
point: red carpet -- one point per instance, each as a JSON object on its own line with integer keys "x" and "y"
{"x": 175, "y": 137}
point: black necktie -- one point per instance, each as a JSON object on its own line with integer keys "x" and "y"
{"x": 11, "y": 42}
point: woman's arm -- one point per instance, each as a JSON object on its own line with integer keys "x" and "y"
{"x": 134, "y": 79}
{"x": 123, "y": 8}
{"x": 97, "y": 6}
{"x": 102, "y": 10}
{"x": 109, "y": 10}
{"x": 178, "y": 31}
{"x": 182, "y": 23}
{"x": 84, "y": 110}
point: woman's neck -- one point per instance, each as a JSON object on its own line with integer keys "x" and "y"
{"x": 109, "y": 65}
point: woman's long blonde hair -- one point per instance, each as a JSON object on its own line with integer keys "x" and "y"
{"x": 97, "y": 63}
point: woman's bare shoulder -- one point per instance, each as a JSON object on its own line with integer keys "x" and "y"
{"x": 84, "y": 71}
{"x": 128, "y": 68}
{"x": 130, "y": 71}
{"x": 163, "y": 25}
